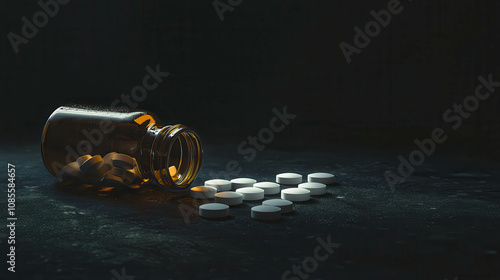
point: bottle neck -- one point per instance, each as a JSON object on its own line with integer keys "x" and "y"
{"x": 171, "y": 155}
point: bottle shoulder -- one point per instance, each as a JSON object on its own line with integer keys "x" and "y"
{"x": 140, "y": 117}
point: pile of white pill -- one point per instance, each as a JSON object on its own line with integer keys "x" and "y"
{"x": 114, "y": 169}
{"x": 227, "y": 193}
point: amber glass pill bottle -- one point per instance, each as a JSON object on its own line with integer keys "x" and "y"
{"x": 71, "y": 133}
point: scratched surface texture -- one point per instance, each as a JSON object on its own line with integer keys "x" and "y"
{"x": 442, "y": 223}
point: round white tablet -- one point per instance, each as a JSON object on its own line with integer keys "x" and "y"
{"x": 113, "y": 180}
{"x": 285, "y": 205}
{"x": 296, "y": 194}
{"x": 82, "y": 159}
{"x": 99, "y": 174}
{"x": 203, "y": 192}
{"x": 324, "y": 178}
{"x": 220, "y": 184}
{"x": 289, "y": 178}
{"x": 268, "y": 187}
{"x": 70, "y": 172}
{"x": 242, "y": 183}
{"x": 214, "y": 210}
{"x": 91, "y": 165}
{"x": 133, "y": 186}
{"x": 229, "y": 198}
{"x": 266, "y": 213}
{"x": 251, "y": 193}
{"x": 314, "y": 188}
{"x": 94, "y": 169}
{"x": 128, "y": 176}
{"x": 108, "y": 159}
{"x": 123, "y": 161}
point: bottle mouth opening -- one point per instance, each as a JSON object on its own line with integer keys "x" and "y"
{"x": 179, "y": 157}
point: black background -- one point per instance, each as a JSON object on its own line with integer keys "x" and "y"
{"x": 227, "y": 76}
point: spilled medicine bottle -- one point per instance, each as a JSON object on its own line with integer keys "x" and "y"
{"x": 108, "y": 147}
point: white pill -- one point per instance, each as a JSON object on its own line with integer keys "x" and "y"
{"x": 123, "y": 177}
{"x": 117, "y": 171}
{"x": 131, "y": 175}
{"x": 123, "y": 161}
{"x": 91, "y": 165}
{"x": 113, "y": 180}
{"x": 82, "y": 159}
{"x": 128, "y": 176}
{"x": 296, "y": 194}
{"x": 214, "y": 210}
{"x": 229, "y": 198}
{"x": 220, "y": 184}
{"x": 70, "y": 172}
{"x": 289, "y": 178}
{"x": 314, "y": 188}
{"x": 174, "y": 174}
{"x": 133, "y": 186}
{"x": 285, "y": 205}
{"x": 242, "y": 183}
{"x": 324, "y": 178}
{"x": 203, "y": 192}
{"x": 94, "y": 169}
{"x": 266, "y": 213}
{"x": 172, "y": 170}
{"x": 268, "y": 187}
{"x": 251, "y": 193}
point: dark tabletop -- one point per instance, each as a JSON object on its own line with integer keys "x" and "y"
{"x": 441, "y": 223}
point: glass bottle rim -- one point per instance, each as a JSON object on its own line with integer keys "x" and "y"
{"x": 176, "y": 137}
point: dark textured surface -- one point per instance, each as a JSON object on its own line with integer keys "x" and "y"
{"x": 225, "y": 79}
{"x": 443, "y": 223}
